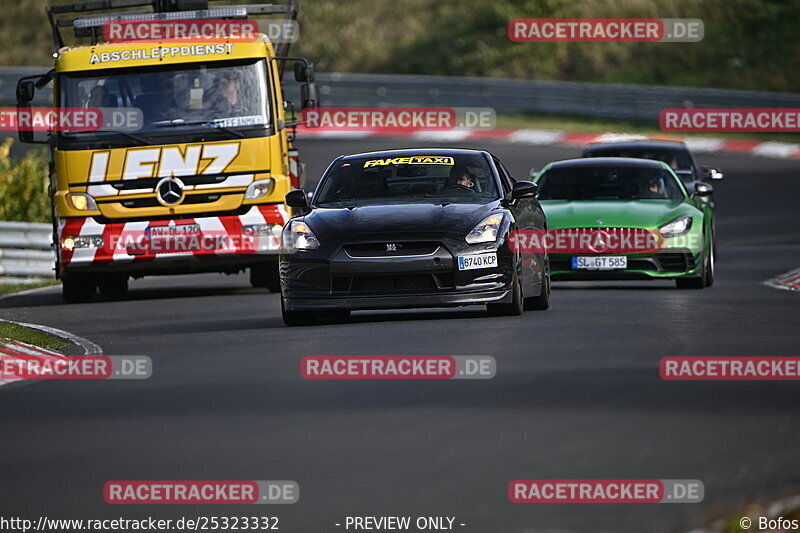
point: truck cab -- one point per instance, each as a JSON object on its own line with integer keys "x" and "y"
{"x": 190, "y": 166}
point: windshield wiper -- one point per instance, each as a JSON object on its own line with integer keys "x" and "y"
{"x": 140, "y": 140}
{"x": 210, "y": 123}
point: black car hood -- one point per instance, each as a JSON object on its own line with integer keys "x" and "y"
{"x": 342, "y": 223}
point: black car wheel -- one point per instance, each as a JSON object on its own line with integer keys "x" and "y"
{"x": 266, "y": 275}
{"x": 297, "y": 318}
{"x": 541, "y": 302}
{"x": 78, "y": 288}
{"x": 511, "y": 309}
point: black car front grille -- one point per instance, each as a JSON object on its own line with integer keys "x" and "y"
{"x": 391, "y": 249}
{"x": 397, "y": 283}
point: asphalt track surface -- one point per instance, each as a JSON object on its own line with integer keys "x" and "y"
{"x": 577, "y": 393}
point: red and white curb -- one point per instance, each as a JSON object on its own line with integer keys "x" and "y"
{"x": 778, "y": 150}
{"x": 25, "y": 351}
{"x": 788, "y": 281}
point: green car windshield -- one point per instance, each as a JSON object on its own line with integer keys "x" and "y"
{"x": 608, "y": 183}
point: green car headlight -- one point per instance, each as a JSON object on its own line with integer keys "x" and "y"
{"x": 676, "y": 227}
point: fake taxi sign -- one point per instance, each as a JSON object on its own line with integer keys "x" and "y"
{"x": 413, "y": 160}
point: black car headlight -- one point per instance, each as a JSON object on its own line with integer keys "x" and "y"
{"x": 486, "y": 230}
{"x": 298, "y": 236}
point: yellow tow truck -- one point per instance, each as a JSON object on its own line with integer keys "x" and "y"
{"x": 197, "y": 184}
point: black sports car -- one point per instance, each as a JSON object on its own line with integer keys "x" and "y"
{"x": 412, "y": 228}
{"x": 674, "y": 153}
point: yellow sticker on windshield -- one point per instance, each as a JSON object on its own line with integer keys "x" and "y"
{"x": 412, "y": 160}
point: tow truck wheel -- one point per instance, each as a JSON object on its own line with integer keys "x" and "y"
{"x": 266, "y": 275}
{"x": 113, "y": 285}
{"x": 78, "y": 288}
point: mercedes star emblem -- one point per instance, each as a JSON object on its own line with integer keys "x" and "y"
{"x": 169, "y": 191}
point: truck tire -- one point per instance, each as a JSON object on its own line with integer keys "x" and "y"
{"x": 78, "y": 288}
{"x": 266, "y": 275}
{"x": 113, "y": 285}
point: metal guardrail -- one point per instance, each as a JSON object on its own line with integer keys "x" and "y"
{"x": 513, "y": 96}
{"x": 26, "y": 250}
{"x": 505, "y": 95}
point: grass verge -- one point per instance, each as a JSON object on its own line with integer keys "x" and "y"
{"x": 9, "y": 288}
{"x": 31, "y": 336}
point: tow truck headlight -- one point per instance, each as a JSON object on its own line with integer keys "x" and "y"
{"x": 269, "y": 230}
{"x": 82, "y": 201}
{"x": 486, "y": 230}
{"x": 264, "y": 236}
{"x": 259, "y": 189}
{"x": 677, "y": 226}
{"x": 82, "y": 241}
{"x": 298, "y": 236}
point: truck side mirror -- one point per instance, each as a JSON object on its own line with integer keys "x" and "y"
{"x": 308, "y": 95}
{"x": 25, "y": 91}
{"x": 303, "y": 72}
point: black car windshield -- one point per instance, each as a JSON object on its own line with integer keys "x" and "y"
{"x": 393, "y": 179}
{"x": 608, "y": 183}
{"x": 677, "y": 159}
{"x": 175, "y": 98}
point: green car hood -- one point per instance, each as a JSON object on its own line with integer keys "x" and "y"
{"x": 613, "y": 213}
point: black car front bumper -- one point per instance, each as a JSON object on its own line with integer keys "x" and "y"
{"x": 365, "y": 275}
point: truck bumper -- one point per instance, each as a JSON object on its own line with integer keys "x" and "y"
{"x": 208, "y": 243}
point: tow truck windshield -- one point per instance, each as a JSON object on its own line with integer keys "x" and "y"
{"x": 172, "y": 99}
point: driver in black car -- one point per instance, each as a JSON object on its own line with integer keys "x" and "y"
{"x": 460, "y": 180}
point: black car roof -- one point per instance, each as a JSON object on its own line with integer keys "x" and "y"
{"x": 644, "y": 144}
{"x": 416, "y": 151}
{"x": 607, "y": 162}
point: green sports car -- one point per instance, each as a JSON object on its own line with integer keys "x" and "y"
{"x": 624, "y": 218}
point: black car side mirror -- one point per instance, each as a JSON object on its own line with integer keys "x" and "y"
{"x": 524, "y": 189}
{"x": 712, "y": 173}
{"x": 297, "y": 198}
{"x": 703, "y": 189}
